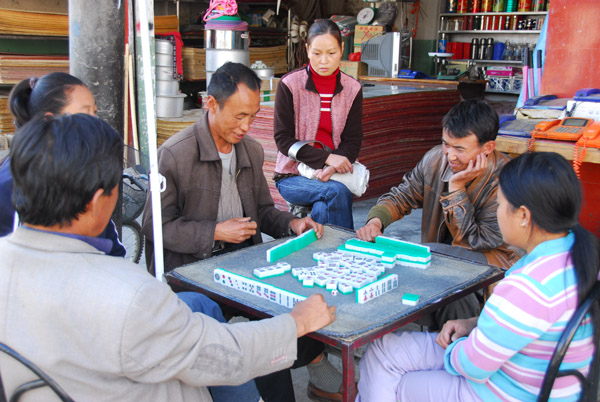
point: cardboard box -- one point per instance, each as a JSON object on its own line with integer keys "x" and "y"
{"x": 354, "y": 68}
{"x": 363, "y": 33}
{"x": 270, "y": 84}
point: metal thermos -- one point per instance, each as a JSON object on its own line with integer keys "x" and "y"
{"x": 489, "y": 49}
{"x": 482, "y": 46}
{"x": 474, "y": 48}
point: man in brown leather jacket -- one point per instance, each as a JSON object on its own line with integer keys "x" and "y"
{"x": 455, "y": 184}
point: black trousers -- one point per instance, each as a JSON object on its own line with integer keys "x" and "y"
{"x": 278, "y": 387}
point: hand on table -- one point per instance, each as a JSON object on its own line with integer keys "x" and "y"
{"x": 371, "y": 230}
{"x": 460, "y": 179}
{"x": 454, "y": 329}
{"x": 300, "y": 226}
{"x": 340, "y": 163}
{"x": 235, "y": 230}
{"x": 312, "y": 314}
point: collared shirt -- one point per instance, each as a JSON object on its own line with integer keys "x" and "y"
{"x": 99, "y": 243}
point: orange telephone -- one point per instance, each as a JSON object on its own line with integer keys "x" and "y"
{"x": 567, "y": 129}
{"x": 589, "y": 138}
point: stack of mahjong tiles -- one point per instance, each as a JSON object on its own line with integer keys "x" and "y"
{"x": 344, "y": 272}
{"x": 389, "y": 252}
{"x": 294, "y": 244}
{"x": 272, "y": 270}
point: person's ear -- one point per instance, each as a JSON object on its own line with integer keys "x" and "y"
{"x": 211, "y": 104}
{"x": 488, "y": 147}
{"x": 342, "y": 47}
{"x": 524, "y": 214}
{"x": 94, "y": 205}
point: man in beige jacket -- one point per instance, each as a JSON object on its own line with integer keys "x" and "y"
{"x": 103, "y": 328}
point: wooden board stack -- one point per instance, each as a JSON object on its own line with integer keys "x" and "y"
{"x": 168, "y": 126}
{"x": 18, "y": 22}
{"x": 15, "y": 68}
{"x": 7, "y": 125}
{"x": 166, "y": 23}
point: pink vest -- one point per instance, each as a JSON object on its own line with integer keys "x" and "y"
{"x": 307, "y": 110}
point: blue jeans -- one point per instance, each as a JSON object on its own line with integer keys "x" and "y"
{"x": 331, "y": 201}
{"x": 199, "y": 303}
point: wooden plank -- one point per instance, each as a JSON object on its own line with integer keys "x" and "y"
{"x": 517, "y": 146}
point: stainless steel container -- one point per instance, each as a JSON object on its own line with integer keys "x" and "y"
{"x": 163, "y": 46}
{"x": 221, "y": 39}
{"x": 167, "y": 87}
{"x": 163, "y": 59}
{"x": 223, "y": 46}
{"x": 169, "y": 106}
{"x": 264, "y": 73}
{"x": 164, "y": 72}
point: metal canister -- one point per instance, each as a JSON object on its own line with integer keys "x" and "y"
{"x": 450, "y": 6}
{"x": 482, "y": 48}
{"x": 486, "y": 6}
{"x": 443, "y": 43}
{"x": 499, "y": 6}
{"x": 476, "y": 6}
{"x": 539, "y": 5}
{"x": 463, "y": 6}
{"x": 474, "y": 48}
{"x": 489, "y": 49}
{"x": 524, "y": 5}
{"x": 511, "y": 5}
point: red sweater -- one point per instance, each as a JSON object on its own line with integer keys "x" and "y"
{"x": 325, "y": 86}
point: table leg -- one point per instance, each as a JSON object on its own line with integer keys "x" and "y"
{"x": 348, "y": 385}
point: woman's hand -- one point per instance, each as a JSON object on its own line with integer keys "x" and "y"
{"x": 340, "y": 163}
{"x": 325, "y": 173}
{"x": 454, "y": 329}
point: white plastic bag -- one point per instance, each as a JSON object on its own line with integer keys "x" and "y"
{"x": 357, "y": 181}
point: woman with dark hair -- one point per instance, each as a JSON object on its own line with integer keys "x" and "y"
{"x": 319, "y": 103}
{"x": 55, "y": 93}
{"x": 504, "y": 353}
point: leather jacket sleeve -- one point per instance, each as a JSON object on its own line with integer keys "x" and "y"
{"x": 402, "y": 199}
{"x": 476, "y": 229}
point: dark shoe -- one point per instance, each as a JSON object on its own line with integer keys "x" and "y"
{"x": 316, "y": 394}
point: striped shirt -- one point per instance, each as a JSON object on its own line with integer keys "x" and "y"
{"x": 506, "y": 356}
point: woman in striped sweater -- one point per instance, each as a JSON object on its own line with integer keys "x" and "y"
{"x": 502, "y": 355}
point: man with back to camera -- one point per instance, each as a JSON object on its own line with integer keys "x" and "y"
{"x": 103, "y": 329}
{"x": 217, "y": 200}
{"x": 455, "y": 184}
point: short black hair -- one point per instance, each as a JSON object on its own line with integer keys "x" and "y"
{"x": 224, "y": 82}
{"x": 472, "y": 117}
{"x": 59, "y": 162}
{"x": 322, "y": 27}
{"x": 49, "y": 94}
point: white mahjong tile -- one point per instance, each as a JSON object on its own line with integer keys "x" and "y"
{"x": 308, "y": 282}
{"x": 330, "y": 285}
{"x": 320, "y": 280}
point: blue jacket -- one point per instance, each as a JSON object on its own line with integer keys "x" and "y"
{"x": 7, "y": 212}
